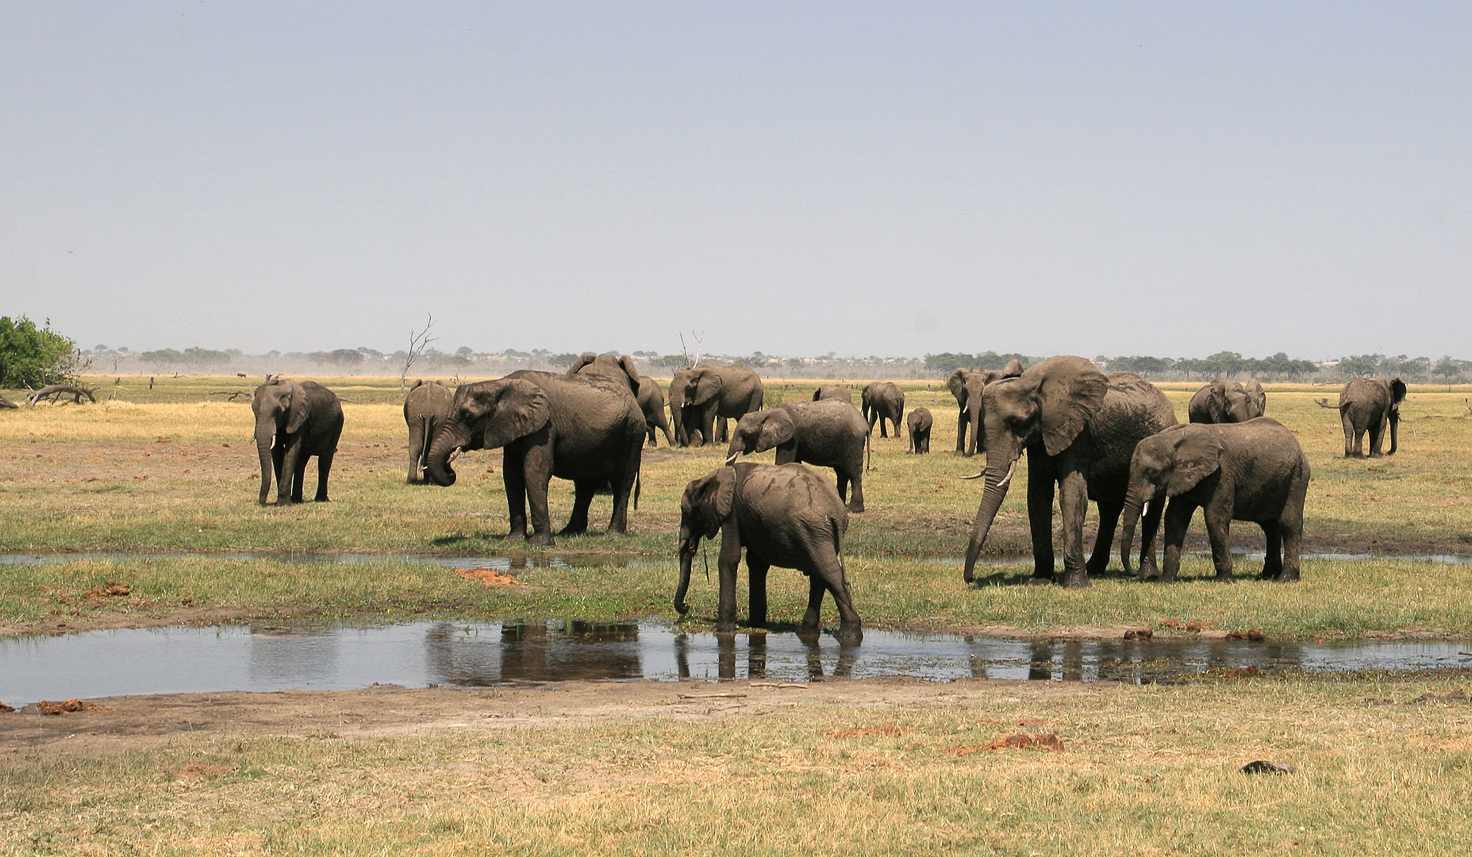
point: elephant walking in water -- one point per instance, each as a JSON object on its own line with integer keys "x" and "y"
{"x": 1368, "y": 405}
{"x": 586, "y": 427}
{"x": 782, "y": 515}
{"x": 1079, "y": 430}
{"x": 295, "y": 420}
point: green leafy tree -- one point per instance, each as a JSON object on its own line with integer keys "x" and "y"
{"x": 32, "y": 356}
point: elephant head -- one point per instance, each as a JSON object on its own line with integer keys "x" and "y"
{"x": 1046, "y": 408}
{"x": 621, "y": 369}
{"x": 760, "y": 431}
{"x": 704, "y": 508}
{"x": 281, "y": 409}
{"x": 1164, "y": 465}
{"x": 486, "y": 415}
{"x": 1231, "y": 403}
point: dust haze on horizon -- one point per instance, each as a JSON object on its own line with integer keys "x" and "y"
{"x": 862, "y": 178}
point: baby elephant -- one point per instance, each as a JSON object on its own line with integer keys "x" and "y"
{"x": 1252, "y": 471}
{"x": 783, "y": 515}
{"x": 919, "y": 423}
{"x": 828, "y": 433}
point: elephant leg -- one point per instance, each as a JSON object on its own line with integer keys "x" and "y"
{"x": 324, "y": 469}
{"x": 756, "y": 582}
{"x": 416, "y": 451}
{"x": 854, "y": 479}
{"x": 1040, "y": 515}
{"x": 1177, "y": 520}
{"x": 1073, "y": 505}
{"x": 1218, "y": 517}
{"x": 288, "y": 482}
{"x": 513, "y": 476}
{"x": 538, "y": 478}
{"x": 1109, "y": 511}
{"x": 1377, "y": 437}
{"x": 1272, "y": 561}
{"x": 278, "y": 460}
{"x": 961, "y": 433}
{"x": 721, "y": 434}
{"x": 623, "y": 489}
{"x": 830, "y": 575}
{"x": 1351, "y": 445}
{"x": 299, "y": 477}
{"x": 729, "y": 559}
{"x": 577, "y": 522}
{"x": 1149, "y": 527}
{"x": 1290, "y": 530}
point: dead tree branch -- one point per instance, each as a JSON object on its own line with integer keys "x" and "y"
{"x": 54, "y": 392}
{"x": 417, "y": 343}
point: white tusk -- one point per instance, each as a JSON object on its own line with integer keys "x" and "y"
{"x": 1145, "y": 509}
{"x": 1011, "y": 469}
{"x": 731, "y": 459}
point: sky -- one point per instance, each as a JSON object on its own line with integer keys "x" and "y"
{"x": 796, "y": 178}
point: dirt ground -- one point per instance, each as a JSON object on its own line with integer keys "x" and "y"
{"x": 117, "y": 724}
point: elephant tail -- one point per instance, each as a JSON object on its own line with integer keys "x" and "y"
{"x": 636, "y": 490}
{"x": 868, "y": 449}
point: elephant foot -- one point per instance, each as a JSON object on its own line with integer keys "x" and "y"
{"x": 1287, "y": 576}
{"x": 850, "y": 634}
{"x": 1040, "y": 580}
{"x": 725, "y": 627}
{"x": 856, "y": 507}
{"x": 1075, "y": 581}
{"x": 810, "y": 619}
{"x": 543, "y": 539}
{"x": 1225, "y": 578}
{"x": 1096, "y": 568}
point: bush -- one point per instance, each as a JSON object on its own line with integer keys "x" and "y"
{"x": 33, "y": 357}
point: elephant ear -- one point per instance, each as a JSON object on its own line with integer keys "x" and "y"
{"x": 588, "y": 357}
{"x": 777, "y": 429}
{"x": 1216, "y": 401}
{"x": 1013, "y": 369}
{"x": 717, "y": 498}
{"x": 1070, "y": 390}
{"x": 520, "y": 408}
{"x": 627, "y": 364}
{"x": 707, "y": 386}
{"x": 1257, "y": 396}
{"x": 1198, "y": 453}
{"x": 1397, "y": 392}
{"x": 300, "y": 409}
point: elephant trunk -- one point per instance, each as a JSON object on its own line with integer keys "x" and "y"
{"x": 1135, "y": 503}
{"x": 737, "y": 447}
{"x": 973, "y": 440}
{"x": 687, "y": 557}
{"x": 1394, "y": 431}
{"x": 997, "y": 481}
{"x": 265, "y": 433}
{"x": 450, "y": 438}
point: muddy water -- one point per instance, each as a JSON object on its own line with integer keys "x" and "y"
{"x": 270, "y": 658}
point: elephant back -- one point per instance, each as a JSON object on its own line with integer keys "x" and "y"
{"x": 588, "y": 409}
{"x": 1132, "y": 410}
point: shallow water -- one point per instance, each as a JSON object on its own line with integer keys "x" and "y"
{"x": 273, "y": 658}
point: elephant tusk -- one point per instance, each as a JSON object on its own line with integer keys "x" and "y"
{"x": 454, "y": 454}
{"x": 1011, "y": 469}
{"x": 977, "y": 475}
{"x": 731, "y": 459}
{"x": 1145, "y": 507}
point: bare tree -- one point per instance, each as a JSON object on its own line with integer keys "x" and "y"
{"x": 699, "y": 342}
{"x": 417, "y": 343}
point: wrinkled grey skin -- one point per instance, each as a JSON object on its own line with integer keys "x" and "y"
{"x": 919, "y": 422}
{"x": 587, "y": 428}
{"x": 295, "y": 420}
{"x": 883, "y": 400}
{"x": 1252, "y": 471}
{"x": 783, "y": 515}
{"x": 1368, "y": 405}
{"x": 833, "y": 391}
{"x": 645, "y": 389}
{"x": 827, "y": 434}
{"x": 425, "y": 407}
{"x": 1227, "y": 402}
{"x": 1079, "y": 430}
{"x": 966, "y": 385}
{"x": 708, "y": 395}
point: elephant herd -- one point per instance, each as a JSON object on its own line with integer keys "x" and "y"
{"x": 1111, "y": 439}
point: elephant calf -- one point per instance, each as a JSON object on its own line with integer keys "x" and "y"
{"x": 783, "y": 515}
{"x": 828, "y": 433}
{"x": 919, "y": 422}
{"x": 1252, "y": 471}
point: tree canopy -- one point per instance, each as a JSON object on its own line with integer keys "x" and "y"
{"x": 32, "y": 356}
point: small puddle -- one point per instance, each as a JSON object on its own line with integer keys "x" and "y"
{"x": 272, "y": 658}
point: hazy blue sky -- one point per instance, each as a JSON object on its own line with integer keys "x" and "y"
{"x": 897, "y": 178}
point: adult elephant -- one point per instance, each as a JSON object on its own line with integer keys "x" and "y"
{"x": 883, "y": 400}
{"x": 710, "y": 394}
{"x": 833, "y": 391}
{"x": 1227, "y": 402}
{"x": 1368, "y": 405}
{"x": 586, "y": 428}
{"x": 782, "y": 515}
{"x": 645, "y": 389}
{"x": 1253, "y": 471}
{"x": 295, "y": 420}
{"x": 1079, "y": 429}
{"x": 425, "y": 407}
{"x": 966, "y": 385}
{"x": 826, "y": 434}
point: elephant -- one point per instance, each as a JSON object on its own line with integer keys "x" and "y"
{"x": 709, "y": 394}
{"x": 295, "y": 420}
{"x": 584, "y": 427}
{"x": 966, "y": 385}
{"x": 1078, "y": 429}
{"x": 1227, "y": 402}
{"x": 1252, "y": 471}
{"x": 1368, "y": 405}
{"x": 645, "y": 389}
{"x": 919, "y": 422}
{"x": 783, "y": 515}
{"x": 425, "y": 408}
{"x": 883, "y": 400}
{"x": 833, "y": 391}
{"x": 826, "y": 434}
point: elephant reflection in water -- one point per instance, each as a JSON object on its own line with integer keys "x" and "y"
{"x": 728, "y": 658}
{"x": 535, "y": 652}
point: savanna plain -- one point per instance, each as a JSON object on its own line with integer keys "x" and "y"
{"x": 146, "y": 501}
